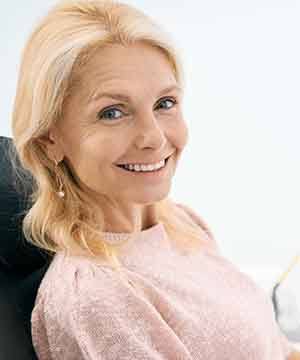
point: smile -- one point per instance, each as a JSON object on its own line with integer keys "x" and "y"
{"x": 144, "y": 169}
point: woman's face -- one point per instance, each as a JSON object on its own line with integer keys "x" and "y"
{"x": 138, "y": 120}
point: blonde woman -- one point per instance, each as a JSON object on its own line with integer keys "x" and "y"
{"x": 98, "y": 122}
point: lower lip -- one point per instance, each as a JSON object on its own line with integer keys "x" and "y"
{"x": 148, "y": 174}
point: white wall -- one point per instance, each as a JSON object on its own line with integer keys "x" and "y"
{"x": 240, "y": 170}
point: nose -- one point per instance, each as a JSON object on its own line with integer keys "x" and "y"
{"x": 149, "y": 132}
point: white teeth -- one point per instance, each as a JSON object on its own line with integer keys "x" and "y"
{"x": 136, "y": 167}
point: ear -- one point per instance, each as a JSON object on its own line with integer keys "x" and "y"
{"x": 51, "y": 145}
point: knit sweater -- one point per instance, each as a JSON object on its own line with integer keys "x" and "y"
{"x": 176, "y": 306}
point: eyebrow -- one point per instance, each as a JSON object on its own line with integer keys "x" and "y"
{"x": 118, "y": 96}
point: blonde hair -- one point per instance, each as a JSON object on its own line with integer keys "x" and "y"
{"x": 52, "y": 61}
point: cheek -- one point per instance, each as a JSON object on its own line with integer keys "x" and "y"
{"x": 185, "y": 135}
{"x": 99, "y": 153}
{"x": 84, "y": 153}
{"x": 179, "y": 134}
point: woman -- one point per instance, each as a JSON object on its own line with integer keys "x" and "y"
{"x": 98, "y": 122}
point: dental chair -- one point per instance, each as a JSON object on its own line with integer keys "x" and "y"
{"x": 22, "y": 265}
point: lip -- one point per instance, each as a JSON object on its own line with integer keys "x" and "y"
{"x": 152, "y": 176}
{"x": 145, "y": 162}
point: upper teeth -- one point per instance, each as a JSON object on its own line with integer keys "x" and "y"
{"x": 143, "y": 167}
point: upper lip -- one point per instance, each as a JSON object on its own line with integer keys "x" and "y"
{"x": 145, "y": 162}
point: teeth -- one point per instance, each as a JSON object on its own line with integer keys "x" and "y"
{"x": 136, "y": 167}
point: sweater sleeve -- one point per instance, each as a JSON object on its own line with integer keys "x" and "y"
{"x": 102, "y": 318}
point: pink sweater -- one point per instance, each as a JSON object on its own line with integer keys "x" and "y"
{"x": 185, "y": 307}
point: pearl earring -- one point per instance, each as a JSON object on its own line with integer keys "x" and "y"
{"x": 60, "y": 192}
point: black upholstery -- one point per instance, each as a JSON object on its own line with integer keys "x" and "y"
{"x": 22, "y": 265}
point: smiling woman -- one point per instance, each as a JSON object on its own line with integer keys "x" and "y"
{"x": 78, "y": 133}
{"x": 134, "y": 275}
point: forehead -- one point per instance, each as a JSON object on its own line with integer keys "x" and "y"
{"x": 127, "y": 67}
{"x": 121, "y": 58}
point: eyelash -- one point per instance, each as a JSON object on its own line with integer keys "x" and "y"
{"x": 102, "y": 112}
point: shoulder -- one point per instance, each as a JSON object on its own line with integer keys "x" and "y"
{"x": 78, "y": 291}
{"x": 90, "y": 312}
{"x": 72, "y": 289}
{"x": 79, "y": 303}
{"x": 69, "y": 277}
{"x": 196, "y": 218}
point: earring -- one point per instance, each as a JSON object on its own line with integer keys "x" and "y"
{"x": 60, "y": 192}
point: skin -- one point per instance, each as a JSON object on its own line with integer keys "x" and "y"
{"x": 145, "y": 129}
{"x": 295, "y": 355}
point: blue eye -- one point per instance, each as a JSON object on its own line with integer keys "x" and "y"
{"x": 173, "y": 101}
{"x": 107, "y": 114}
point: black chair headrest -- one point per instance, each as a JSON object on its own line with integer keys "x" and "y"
{"x": 16, "y": 253}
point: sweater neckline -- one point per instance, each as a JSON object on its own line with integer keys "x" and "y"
{"x": 116, "y": 237}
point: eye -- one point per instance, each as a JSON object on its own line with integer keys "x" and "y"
{"x": 170, "y": 100}
{"x": 108, "y": 113}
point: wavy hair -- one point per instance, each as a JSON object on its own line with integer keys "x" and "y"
{"x": 52, "y": 61}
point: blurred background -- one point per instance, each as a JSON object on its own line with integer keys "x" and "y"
{"x": 240, "y": 170}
